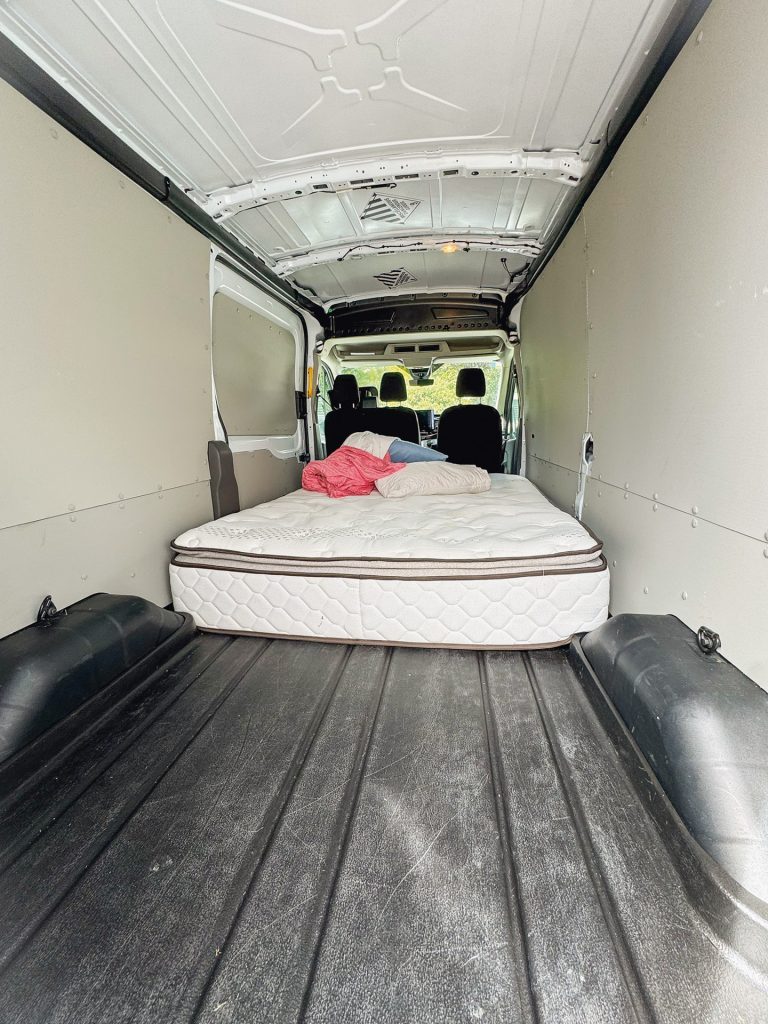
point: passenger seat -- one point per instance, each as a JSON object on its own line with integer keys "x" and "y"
{"x": 470, "y": 435}
{"x": 346, "y": 417}
{"x": 394, "y": 421}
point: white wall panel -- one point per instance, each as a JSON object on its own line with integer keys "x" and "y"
{"x": 705, "y": 575}
{"x": 554, "y": 355}
{"x": 559, "y": 484}
{"x": 673, "y": 304}
{"x": 104, "y": 297}
{"x": 120, "y": 548}
{"x": 679, "y": 296}
{"x": 105, "y": 403}
{"x": 261, "y": 477}
{"x": 254, "y": 369}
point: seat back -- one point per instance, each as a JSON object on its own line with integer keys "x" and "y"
{"x": 347, "y": 414}
{"x": 394, "y": 421}
{"x": 346, "y": 417}
{"x": 471, "y": 435}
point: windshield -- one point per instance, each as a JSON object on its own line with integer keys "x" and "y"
{"x": 442, "y": 393}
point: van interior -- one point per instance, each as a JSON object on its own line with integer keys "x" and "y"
{"x": 383, "y": 523}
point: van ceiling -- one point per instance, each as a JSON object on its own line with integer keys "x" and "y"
{"x": 362, "y": 147}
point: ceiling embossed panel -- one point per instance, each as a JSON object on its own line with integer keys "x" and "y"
{"x": 384, "y": 127}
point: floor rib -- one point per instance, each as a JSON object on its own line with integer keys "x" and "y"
{"x": 286, "y": 832}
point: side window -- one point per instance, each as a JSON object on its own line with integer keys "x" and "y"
{"x": 324, "y": 385}
{"x": 254, "y": 368}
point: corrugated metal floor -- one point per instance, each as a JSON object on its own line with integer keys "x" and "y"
{"x": 287, "y": 831}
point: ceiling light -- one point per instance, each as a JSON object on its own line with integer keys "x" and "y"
{"x": 449, "y": 247}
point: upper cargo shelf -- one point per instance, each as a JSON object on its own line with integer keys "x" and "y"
{"x": 367, "y": 147}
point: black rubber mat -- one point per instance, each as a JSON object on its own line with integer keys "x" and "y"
{"x": 303, "y": 832}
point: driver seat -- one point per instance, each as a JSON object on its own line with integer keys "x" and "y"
{"x": 471, "y": 435}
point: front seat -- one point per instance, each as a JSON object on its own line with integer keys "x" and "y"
{"x": 394, "y": 421}
{"x": 346, "y": 417}
{"x": 471, "y": 434}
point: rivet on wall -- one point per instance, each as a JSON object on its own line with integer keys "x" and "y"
{"x": 684, "y": 595}
{"x": 694, "y": 523}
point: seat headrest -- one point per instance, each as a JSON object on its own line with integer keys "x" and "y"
{"x": 393, "y": 387}
{"x": 345, "y": 393}
{"x": 369, "y": 397}
{"x": 470, "y": 382}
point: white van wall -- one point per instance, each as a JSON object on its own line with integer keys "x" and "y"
{"x": 649, "y": 328}
{"x": 105, "y": 400}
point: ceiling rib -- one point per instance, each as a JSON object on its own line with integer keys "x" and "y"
{"x": 565, "y": 167}
{"x": 363, "y": 117}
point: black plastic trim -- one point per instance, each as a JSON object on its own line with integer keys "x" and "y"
{"x": 44, "y": 748}
{"x": 719, "y": 897}
{"x": 414, "y": 313}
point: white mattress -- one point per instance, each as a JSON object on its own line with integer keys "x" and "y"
{"x": 504, "y": 568}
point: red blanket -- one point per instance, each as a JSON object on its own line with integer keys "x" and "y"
{"x": 347, "y": 471}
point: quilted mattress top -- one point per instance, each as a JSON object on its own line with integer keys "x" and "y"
{"x": 510, "y": 527}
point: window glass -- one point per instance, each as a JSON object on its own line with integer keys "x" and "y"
{"x": 442, "y": 393}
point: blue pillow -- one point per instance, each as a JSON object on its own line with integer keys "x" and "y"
{"x": 407, "y": 451}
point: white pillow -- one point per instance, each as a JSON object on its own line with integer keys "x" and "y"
{"x": 433, "y": 478}
{"x": 367, "y": 441}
